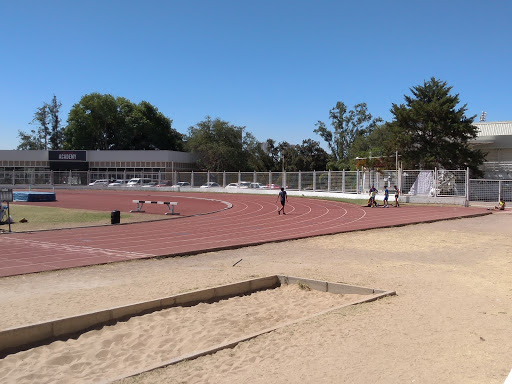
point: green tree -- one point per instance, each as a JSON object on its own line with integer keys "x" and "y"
{"x": 433, "y": 131}
{"x": 29, "y": 140}
{"x": 378, "y": 147}
{"x": 56, "y": 131}
{"x": 270, "y": 156}
{"x": 346, "y": 125}
{"x": 106, "y": 122}
{"x": 221, "y": 146}
{"x": 48, "y": 132}
{"x": 94, "y": 123}
{"x": 312, "y": 157}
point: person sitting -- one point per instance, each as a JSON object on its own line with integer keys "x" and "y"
{"x": 501, "y": 205}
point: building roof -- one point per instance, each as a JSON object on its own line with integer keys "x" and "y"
{"x": 494, "y": 128}
{"x": 494, "y": 134}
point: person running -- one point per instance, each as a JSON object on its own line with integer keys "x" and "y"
{"x": 284, "y": 199}
{"x": 386, "y": 197}
{"x": 397, "y": 193}
{"x": 501, "y": 205}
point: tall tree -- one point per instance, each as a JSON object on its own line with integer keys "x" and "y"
{"x": 260, "y": 159}
{"x": 220, "y": 145}
{"x": 433, "y": 130}
{"x": 41, "y": 117}
{"x": 48, "y": 132}
{"x": 312, "y": 157}
{"x": 377, "y": 147}
{"x": 346, "y": 125}
{"x": 105, "y": 122}
{"x": 56, "y": 131}
{"x": 30, "y": 140}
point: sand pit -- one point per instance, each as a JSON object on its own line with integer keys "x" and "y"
{"x": 449, "y": 323}
{"x": 156, "y": 338}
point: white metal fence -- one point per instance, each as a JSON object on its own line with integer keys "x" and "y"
{"x": 490, "y": 190}
{"x": 435, "y": 183}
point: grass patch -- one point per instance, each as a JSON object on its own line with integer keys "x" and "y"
{"x": 304, "y": 286}
{"x": 40, "y": 218}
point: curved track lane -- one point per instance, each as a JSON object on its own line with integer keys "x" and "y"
{"x": 207, "y": 225}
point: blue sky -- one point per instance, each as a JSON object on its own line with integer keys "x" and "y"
{"x": 276, "y": 67}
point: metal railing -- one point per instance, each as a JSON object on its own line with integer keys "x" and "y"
{"x": 410, "y": 182}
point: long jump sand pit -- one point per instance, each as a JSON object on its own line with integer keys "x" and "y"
{"x": 194, "y": 324}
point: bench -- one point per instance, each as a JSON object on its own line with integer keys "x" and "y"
{"x": 170, "y": 206}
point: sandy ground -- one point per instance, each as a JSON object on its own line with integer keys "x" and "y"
{"x": 450, "y": 322}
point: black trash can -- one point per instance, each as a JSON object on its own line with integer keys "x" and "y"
{"x": 115, "y": 217}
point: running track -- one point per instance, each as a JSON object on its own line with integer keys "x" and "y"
{"x": 208, "y": 221}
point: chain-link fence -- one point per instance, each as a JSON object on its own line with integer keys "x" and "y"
{"x": 490, "y": 190}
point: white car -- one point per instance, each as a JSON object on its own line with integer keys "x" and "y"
{"x": 138, "y": 182}
{"x": 118, "y": 183}
{"x": 232, "y": 186}
{"x": 244, "y": 184}
{"x": 182, "y": 184}
{"x": 210, "y": 184}
{"x": 257, "y": 186}
{"x": 100, "y": 182}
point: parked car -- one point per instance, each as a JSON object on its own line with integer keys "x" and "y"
{"x": 100, "y": 182}
{"x": 244, "y": 184}
{"x": 118, "y": 183}
{"x": 232, "y": 186}
{"x": 182, "y": 184}
{"x": 210, "y": 184}
{"x": 272, "y": 186}
{"x": 138, "y": 182}
{"x": 150, "y": 184}
{"x": 257, "y": 186}
{"x": 164, "y": 183}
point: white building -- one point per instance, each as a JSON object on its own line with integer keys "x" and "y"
{"x": 495, "y": 139}
{"x": 97, "y": 161}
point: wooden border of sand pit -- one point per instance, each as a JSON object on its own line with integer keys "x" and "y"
{"x": 22, "y": 338}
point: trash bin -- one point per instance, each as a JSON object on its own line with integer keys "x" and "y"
{"x": 115, "y": 217}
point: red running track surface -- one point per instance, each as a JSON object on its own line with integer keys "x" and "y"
{"x": 207, "y": 222}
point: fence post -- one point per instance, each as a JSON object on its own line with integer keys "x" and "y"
{"x": 284, "y": 179}
{"x": 191, "y": 179}
{"x": 13, "y": 177}
{"x": 467, "y": 188}
{"x": 314, "y": 181}
{"x": 224, "y": 178}
{"x": 499, "y": 190}
{"x": 357, "y": 181}
{"x": 434, "y": 182}
{"x": 329, "y": 181}
{"x": 300, "y": 181}
{"x": 343, "y": 181}
{"x": 399, "y": 181}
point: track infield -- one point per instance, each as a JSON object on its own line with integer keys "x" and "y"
{"x": 207, "y": 222}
